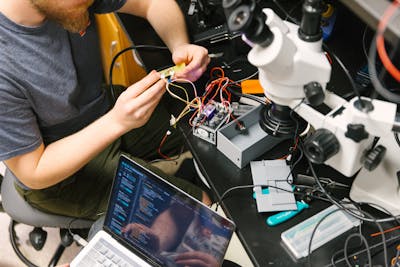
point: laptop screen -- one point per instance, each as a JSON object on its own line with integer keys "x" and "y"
{"x": 162, "y": 222}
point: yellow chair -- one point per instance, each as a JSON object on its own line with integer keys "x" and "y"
{"x": 128, "y": 68}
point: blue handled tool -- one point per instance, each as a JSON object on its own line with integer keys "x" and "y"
{"x": 286, "y": 215}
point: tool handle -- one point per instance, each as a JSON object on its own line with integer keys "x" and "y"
{"x": 286, "y": 215}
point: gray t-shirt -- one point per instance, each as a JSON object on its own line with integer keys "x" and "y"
{"x": 50, "y": 82}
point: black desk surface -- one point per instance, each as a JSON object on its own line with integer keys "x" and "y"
{"x": 263, "y": 243}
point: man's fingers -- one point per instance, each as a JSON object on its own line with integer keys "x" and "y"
{"x": 141, "y": 86}
{"x": 149, "y": 97}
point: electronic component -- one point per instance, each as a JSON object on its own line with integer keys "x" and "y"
{"x": 171, "y": 70}
{"x": 274, "y": 175}
{"x": 211, "y": 118}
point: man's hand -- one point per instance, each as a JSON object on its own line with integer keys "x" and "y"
{"x": 196, "y": 59}
{"x": 135, "y": 105}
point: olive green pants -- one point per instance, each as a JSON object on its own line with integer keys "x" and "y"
{"x": 86, "y": 193}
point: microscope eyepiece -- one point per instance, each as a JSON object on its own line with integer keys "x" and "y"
{"x": 248, "y": 18}
{"x": 310, "y": 26}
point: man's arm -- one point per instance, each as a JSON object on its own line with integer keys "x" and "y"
{"x": 46, "y": 166}
{"x": 165, "y": 16}
{"x": 167, "y": 20}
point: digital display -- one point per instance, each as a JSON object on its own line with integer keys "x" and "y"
{"x": 162, "y": 222}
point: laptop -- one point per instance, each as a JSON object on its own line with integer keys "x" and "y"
{"x": 150, "y": 222}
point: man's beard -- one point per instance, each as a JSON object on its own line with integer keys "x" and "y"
{"x": 73, "y": 20}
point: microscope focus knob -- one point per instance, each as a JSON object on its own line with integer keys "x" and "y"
{"x": 320, "y": 146}
{"x": 373, "y": 157}
{"x": 314, "y": 93}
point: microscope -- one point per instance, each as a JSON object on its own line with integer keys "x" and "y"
{"x": 356, "y": 137}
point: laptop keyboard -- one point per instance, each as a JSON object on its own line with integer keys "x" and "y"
{"x": 104, "y": 254}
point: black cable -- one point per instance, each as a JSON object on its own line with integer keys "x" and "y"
{"x": 295, "y": 137}
{"x": 374, "y": 205}
{"x": 134, "y": 47}
{"x": 252, "y": 97}
{"x": 388, "y": 219}
{"x": 391, "y": 55}
{"x": 346, "y": 72}
{"x": 397, "y": 258}
{"x": 364, "y": 240}
{"x": 266, "y": 185}
{"x": 363, "y": 218}
{"x": 288, "y": 15}
{"x": 218, "y": 203}
{"x": 248, "y": 186}
{"x": 396, "y": 137}
{"x": 389, "y": 243}
{"x": 15, "y": 245}
{"x": 70, "y": 224}
{"x": 334, "y": 256}
{"x": 346, "y": 209}
{"x": 384, "y": 92}
{"x": 314, "y": 231}
{"x": 392, "y": 239}
{"x": 244, "y": 187}
{"x": 363, "y": 39}
{"x": 292, "y": 166}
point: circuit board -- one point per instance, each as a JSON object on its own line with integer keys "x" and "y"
{"x": 209, "y": 120}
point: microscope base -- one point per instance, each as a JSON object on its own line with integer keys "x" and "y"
{"x": 381, "y": 186}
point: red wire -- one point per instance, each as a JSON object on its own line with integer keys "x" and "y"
{"x": 161, "y": 144}
{"x": 328, "y": 57}
{"x": 385, "y": 231}
{"x": 380, "y": 41}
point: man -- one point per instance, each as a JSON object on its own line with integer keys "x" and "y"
{"x": 60, "y": 136}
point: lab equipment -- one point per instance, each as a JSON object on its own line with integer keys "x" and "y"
{"x": 330, "y": 223}
{"x": 242, "y": 146}
{"x": 276, "y": 176}
{"x": 294, "y": 72}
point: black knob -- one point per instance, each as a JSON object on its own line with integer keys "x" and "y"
{"x": 66, "y": 237}
{"x": 320, "y": 146}
{"x": 37, "y": 237}
{"x": 373, "y": 157}
{"x": 314, "y": 93}
{"x": 356, "y": 132}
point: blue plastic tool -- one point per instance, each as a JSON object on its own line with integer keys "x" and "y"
{"x": 286, "y": 215}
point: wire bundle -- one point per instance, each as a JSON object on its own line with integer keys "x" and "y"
{"x": 216, "y": 91}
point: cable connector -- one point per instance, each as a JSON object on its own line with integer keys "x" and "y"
{"x": 172, "y": 121}
{"x": 78, "y": 239}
